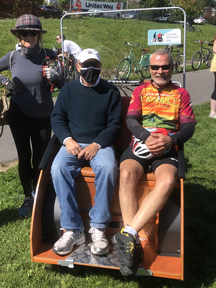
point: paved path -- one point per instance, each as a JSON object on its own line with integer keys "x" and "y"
{"x": 199, "y": 84}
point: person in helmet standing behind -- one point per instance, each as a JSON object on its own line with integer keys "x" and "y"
{"x": 160, "y": 116}
{"x": 31, "y": 102}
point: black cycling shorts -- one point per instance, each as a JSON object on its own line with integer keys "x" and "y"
{"x": 168, "y": 158}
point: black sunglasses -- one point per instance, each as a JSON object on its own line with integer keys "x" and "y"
{"x": 90, "y": 64}
{"x": 24, "y": 33}
{"x": 157, "y": 67}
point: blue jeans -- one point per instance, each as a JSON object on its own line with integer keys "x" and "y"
{"x": 65, "y": 169}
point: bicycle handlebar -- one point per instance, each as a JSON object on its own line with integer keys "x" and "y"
{"x": 137, "y": 44}
{"x": 201, "y": 42}
{"x": 117, "y": 81}
{"x": 177, "y": 45}
{"x": 209, "y": 43}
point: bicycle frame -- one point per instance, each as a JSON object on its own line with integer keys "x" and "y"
{"x": 177, "y": 61}
{"x": 200, "y": 57}
{"x": 203, "y": 54}
{"x": 144, "y": 60}
{"x": 132, "y": 59}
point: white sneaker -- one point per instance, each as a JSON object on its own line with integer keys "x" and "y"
{"x": 65, "y": 244}
{"x": 212, "y": 115}
{"x": 100, "y": 245}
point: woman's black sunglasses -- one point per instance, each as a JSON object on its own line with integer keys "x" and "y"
{"x": 24, "y": 33}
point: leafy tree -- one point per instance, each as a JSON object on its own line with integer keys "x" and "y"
{"x": 193, "y": 8}
{"x": 210, "y": 3}
{"x": 155, "y": 3}
{"x": 64, "y": 2}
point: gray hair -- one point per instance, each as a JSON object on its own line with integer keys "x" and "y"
{"x": 162, "y": 52}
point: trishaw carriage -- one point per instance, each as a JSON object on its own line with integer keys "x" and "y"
{"x": 162, "y": 238}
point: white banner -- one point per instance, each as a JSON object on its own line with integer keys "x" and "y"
{"x": 164, "y": 36}
{"x": 82, "y": 4}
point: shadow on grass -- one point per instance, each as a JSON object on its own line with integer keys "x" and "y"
{"x": 200, "y": 233}
{"x": 8, "y": 216}
{"x": 188, "y": 165}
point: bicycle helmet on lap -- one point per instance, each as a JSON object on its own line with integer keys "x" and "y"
{"x": 140, "y": 149}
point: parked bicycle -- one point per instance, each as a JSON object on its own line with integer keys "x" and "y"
{"x": 69, "y": 68}
{"x": 192, "y": 28}
{"x": 125, "y": 65}
{"x": 200, "y": 57}
{"x": 179, "y": 57}
{"x": 68, "y": 65}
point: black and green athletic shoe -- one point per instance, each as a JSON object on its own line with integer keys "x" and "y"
{"x": 130, "y": 254}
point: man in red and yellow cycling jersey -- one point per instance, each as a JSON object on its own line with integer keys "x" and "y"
{"x": 160, "y": 116}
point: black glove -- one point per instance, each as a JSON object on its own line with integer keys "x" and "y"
{"x": 9, "y": 85}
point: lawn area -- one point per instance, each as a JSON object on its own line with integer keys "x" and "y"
{"x": 17, "y": 270}
{"x": 108, "y": 37}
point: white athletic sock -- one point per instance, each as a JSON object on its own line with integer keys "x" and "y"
{"x": 132, "y": 231}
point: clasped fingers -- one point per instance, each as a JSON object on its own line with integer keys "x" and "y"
{"x": 73, "y": 147}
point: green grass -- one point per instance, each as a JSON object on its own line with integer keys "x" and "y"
{"x": 17, "y": 270}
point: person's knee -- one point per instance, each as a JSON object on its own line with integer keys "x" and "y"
{"x": 54, "y": 169}
{"x": 127, "y": 175}
{"x": 108, "y": 168}
{"x": 57, "y": 167}
{"x": 167, "y": 180}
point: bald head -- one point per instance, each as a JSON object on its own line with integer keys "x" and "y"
{"x": 162, "y": 52}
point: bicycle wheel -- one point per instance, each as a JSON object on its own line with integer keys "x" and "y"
{"x": 196, "y": 60}
{"x": 196, "y": 29}
{"x": 145, "y": 72}
{"x": 123, "y": 69}
{"x": 179, "y": 64}
{"x": 209, "y": 58}
{"x": 69, "y": 69}
{"x": 189, "y": 28}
